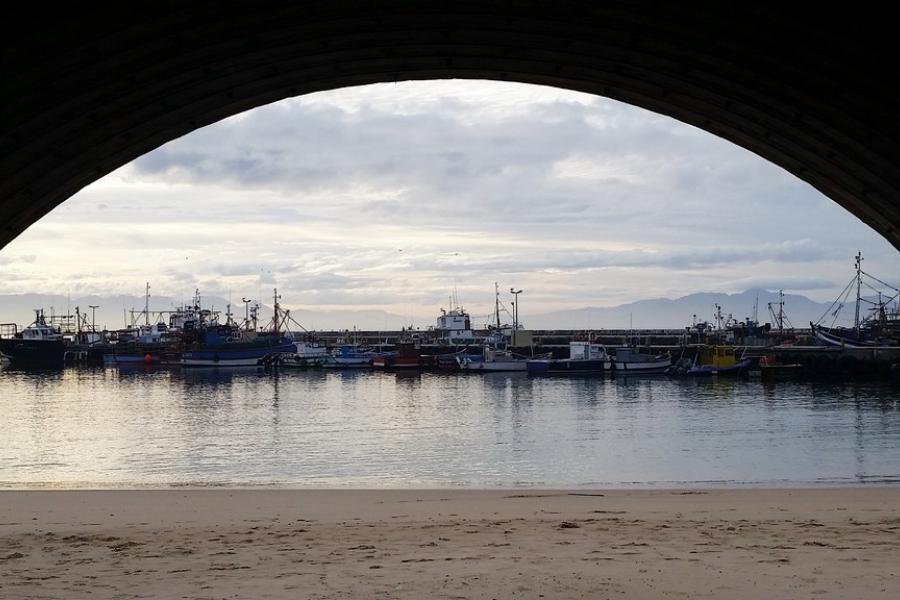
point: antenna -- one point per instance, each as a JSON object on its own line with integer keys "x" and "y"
{"x": 859, "y": 260}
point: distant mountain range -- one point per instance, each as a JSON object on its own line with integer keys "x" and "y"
{"x": 644, "y": 314}
{"x": 664, "y": 313}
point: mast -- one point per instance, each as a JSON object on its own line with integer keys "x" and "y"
{"x": 780, "y": 313}
{"x": 756, "y": 309}
{"x": 497, "y": 303}
{"x": 859, "y": 260}
{"x": 246, "y": 302}
{"x": 147, "y": 305}
{"x": 275, "y": 298}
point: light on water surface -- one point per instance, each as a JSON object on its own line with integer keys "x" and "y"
{"x": 108, "y": 428}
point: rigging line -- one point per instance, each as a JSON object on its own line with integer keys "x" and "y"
{"x": 871, "y": 287}
{"x": 843, "y": 302}
{"x": 880, "y": 281}
{"x": 828, "y": 310}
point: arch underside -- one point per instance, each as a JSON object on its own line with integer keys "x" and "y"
{"x": 86, "y": 92}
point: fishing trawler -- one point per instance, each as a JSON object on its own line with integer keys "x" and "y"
{"x": 38, "y": 345}
{"x": 880, "y": 328}
{"x": 229, "y": 345}
{"x": 454, "y": 325}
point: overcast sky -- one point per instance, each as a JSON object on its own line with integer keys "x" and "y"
{"x": 392, "y": 195}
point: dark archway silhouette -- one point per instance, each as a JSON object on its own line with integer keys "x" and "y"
{"x": 86, "y": 89}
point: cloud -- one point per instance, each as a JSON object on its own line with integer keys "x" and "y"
{"x": 9, "y": 260}
{"x": 582, "y": 199}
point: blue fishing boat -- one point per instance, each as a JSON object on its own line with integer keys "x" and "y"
{"x": 352, "y": 356}
{"x": 214, "y": 345}
{"x": 227, "y": 346}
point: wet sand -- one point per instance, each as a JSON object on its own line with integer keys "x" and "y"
{"x": 749, "y": 543}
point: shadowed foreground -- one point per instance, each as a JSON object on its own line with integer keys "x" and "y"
{"x": 837, "y": 543}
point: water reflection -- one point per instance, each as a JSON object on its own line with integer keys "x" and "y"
{"x": 150, "y": 425}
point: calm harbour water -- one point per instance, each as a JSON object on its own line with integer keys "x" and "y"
{"x": 110, "y": 428}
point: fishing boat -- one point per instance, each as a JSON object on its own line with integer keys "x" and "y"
{"x": 718, "y": 361}
{"x": 632, "y": 361}
{"x": 585, "y": 358}
{"x": 214, "y": 345}
{"x": 147, "y": 344}
{"x": 306, "y": 354}
{"x": 38, "y": 345}
{"x": 407, "y": 357}
{"x": 351, "y": 356}
{"x": 452, "y": 361}
{"x": 454, "y": 324}
{"x": 880, "y": 328}
{"x": 495, "y": 356}
{"x": 226, "y": 346}
{"x": 771, "y": 369}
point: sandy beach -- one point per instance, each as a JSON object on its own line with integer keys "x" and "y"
{"x": 748, "y": 543}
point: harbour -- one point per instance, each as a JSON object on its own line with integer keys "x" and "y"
{"x": 194, "y": 336}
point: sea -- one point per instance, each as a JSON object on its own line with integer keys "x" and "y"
{"x": 171, "y": 427}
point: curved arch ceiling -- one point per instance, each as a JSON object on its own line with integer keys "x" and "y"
{"x": 86, "y": 90}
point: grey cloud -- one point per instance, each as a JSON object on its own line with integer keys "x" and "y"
{"x": 531, "y": 189}
{"x": 783, "y": 283}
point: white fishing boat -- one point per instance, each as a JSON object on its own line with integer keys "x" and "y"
{"x": 454, "y": 325}
{"x": 306, "y": 354}
{"x": 631, "y": 361}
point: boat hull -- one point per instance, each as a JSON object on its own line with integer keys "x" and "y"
{"x": 642, "y": 368}
{"x": 341, "y": 362}
{"x": 826, "y": 337}
{"x": 41, "y": 353}
{"x": 232, "y": 357}
{"x": 739, "y": 368}
{"x": 489, "y": 366}
{"x": 131, "y": 359}
{"x": 404, "y": 363}
{"x": 302, "y": 362}
{"x": 568, "y": 367}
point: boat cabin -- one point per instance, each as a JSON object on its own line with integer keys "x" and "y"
{"x": 587, "y": 351}
{"x": 719, "y": 357}
{"x": 39, "y": 330}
